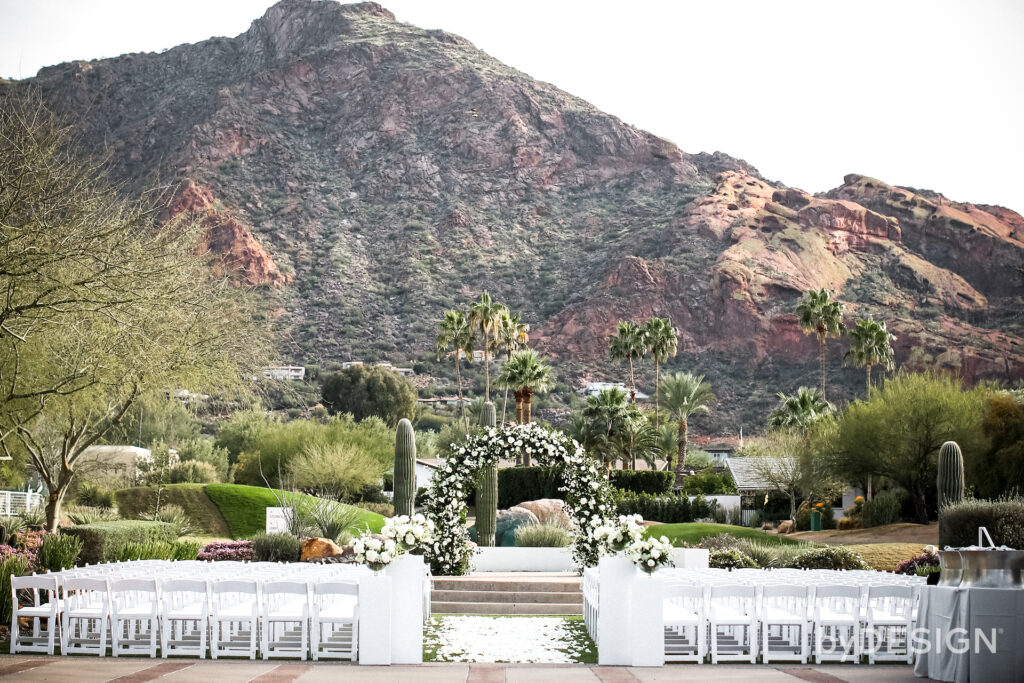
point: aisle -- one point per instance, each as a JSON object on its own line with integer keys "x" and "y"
{"x": 518, "y": 639}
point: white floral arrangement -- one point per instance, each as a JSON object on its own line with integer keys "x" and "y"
{"x": 375, "y": 553}
{"x": 617, "y": 535}
{"x": 650, "y": 553}
{"x": 411, "y": 535}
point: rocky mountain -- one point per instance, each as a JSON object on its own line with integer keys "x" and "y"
{"x": 366, "y": 175}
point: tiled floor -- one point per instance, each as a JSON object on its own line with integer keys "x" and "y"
{"x": 89, "y": 670}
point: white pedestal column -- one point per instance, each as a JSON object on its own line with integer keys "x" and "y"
{"x": 647, "y": 633}
{"x": 407, "y": 577}
{"x": 375, "y": 619}
{"x": 614, "y": 616}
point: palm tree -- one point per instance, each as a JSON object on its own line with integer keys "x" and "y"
{"x": 800, "y": 410}
{"x": 684, "y": 395}
{"x": 512, "y": 334}
{"x": 821, "y": 315}
{"x": 526, "y": 373}
{"x": 628, "y": 344}
{"x": 870, "y": 345}
{"x": 637, "y": 439}
{"x": 661, "y": 344}
{"x": 483, "y": 315}
{"x": 605, "y": 414}
{"x": 455, "y": 332}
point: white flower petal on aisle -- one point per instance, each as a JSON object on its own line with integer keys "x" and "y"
{"x": 533, "y": 640}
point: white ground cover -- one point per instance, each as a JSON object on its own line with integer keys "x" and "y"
{"x": 508, "y": 639}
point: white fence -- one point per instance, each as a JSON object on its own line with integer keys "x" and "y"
{"x": 13, "y": 502}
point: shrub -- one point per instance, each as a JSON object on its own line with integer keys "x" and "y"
{"x": 280, "y": 547}
{"x": 668, "y": 509}
{"x": 848, "y": 523}
{"x": 10, "y": 528}
{"x": 337, "y": 471}
{"x": 519, "y": 484}
{"x": 157, "y": 550}
{"x": 175, "y": 514}
{"x": 329, "y": 519}
{"x": 57, "y": 552}
{"x": 731, "y": 559}
{"x": 643, "y": 481}
{"x": 803, "y": 516}
{"x": 192, "y": 472}
{"x": 94, "y": 496}
{"x": 914, "y": 564}
{"x": 203, "y": 450}
{"x": 101, "y": 540}
{"x": 829, "y": 557}
{"x": 709, "y": 482}
{"x": 722, "y": 541}
{"x": 883, "y": 508}
{"x": 1004, "y": 519}
{"x": 34, "y": 519}
{"x": 228, "y": 551}
{"x": 383, "y": 509}
{"x": 11, "y": 565}
{"x": 83, "y": 514}
{"x": 541, "y": 536}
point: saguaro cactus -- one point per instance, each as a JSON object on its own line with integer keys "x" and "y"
{"x": 951, "y": 474}
{"x": 405, "y": 468}
{"x": 487, "y": 488}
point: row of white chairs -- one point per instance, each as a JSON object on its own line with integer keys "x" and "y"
{"x": 237, "y": 609}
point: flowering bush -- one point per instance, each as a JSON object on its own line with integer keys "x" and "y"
{"x": 411, "y": 534}
{"x": 616, "y": 535}
{"x": 228, "y": 551}
{"x": 10, "y": 551}
{"x": 376, "y": 553}
{"x": 588, "y": 497}
{"x": 650, "y": 553}
{"x": 928, "y": 558}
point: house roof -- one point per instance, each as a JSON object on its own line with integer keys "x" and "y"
{"x": 746, "y": 471}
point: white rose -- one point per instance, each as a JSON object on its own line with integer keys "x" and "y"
{"x": 651, "y": 563}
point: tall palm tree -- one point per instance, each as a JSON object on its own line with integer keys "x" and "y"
{"x": 512, "y": 334}
{"x": 800, "y": 410}
{"x": 661, "y": 344}
{"x": 628, "y": 344}
{"x": 821, "y": 315}
{"x": 455, "y": 332}
{"x": 526, "y": 372}
{"x": 870, "y": 345}
{"x": 605, "y": 414}
{"x": 637, "y": 439}
{"x": 483, "y": 315}
{"x": 684, "y": 395}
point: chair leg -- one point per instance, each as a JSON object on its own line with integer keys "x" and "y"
{"x": 114, "y": 639}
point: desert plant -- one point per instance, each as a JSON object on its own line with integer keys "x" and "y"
{"x": 950, "y": 481}
{"x": 176, "y": 515}
{"x": 382, "y": 509}
{"x": 279, "y": 547}
{"x": 1004, "y": 519}
{"x": 157, "y": 550}
{"x": 10, "y": 527}
{"x": 884, "y": 508}
{"x": 330, "y": 520}
{"x": 542, "y": 536}
{"x": 12, "y": 565}
{"x": 84, "y": 514}
{"x": 192, "y": 472}
{"x": 487, "y": 488}
{"x": 829, "y": 557}
{"x": 34, "y": 518}
{"x": 684, "y": 395}
{"x": 822, "y": 316}
{"x": 57, "y": 552}
{"x": 731, "y": 559}
{"x": 661, "y": 344}
{"x": 94, "y": 496}
{"x": 870, "y": 345}
{"x": 405, "y": 467}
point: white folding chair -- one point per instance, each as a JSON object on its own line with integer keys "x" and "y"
{"x": 785, "y": 623}
{"x": 334, "y": 633}
{"x": 134, "y": 616}
{"x": 86, "y": 606}
{"x": 837, "y": 623}
{"x": 45, "y": 607}
{"x": 285, "y": 616}
{"x": 184, "y": 617}
{"x": 234, "y": 618}
{"x": 732, "y": 618}
{"x": 889, "y": 618}
{"x": 685, "y": 625}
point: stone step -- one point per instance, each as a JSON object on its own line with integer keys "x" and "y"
{"x": 534, "y": 597}
{"x": 469, "y": 583}
{"x": 506, "y": 608}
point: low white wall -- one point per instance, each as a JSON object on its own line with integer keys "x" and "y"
{"x": 724, "y": 499}
{"x": 500, "y": 559}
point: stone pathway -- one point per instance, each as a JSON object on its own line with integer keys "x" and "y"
{"x": 122, "y": 670}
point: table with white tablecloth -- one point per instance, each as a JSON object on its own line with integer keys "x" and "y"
{"x": 956, "y": 626}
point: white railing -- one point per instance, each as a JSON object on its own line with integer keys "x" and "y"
{"x": 13, "y": 502}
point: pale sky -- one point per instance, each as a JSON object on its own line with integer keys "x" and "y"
{"x": 920, "y": 93}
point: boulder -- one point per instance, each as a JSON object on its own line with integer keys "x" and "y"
{"x": 510, "y": 520}
{"x": 316, "y": 548}
{"x": 547, "y": 510}
{"x": 787, "y": 527}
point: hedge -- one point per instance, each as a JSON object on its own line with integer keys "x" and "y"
{"x": 101, "y": 541}
{"x": 670, "y": 509}
{"x": 1004, "y": 519}
{"x": 520, "y": 484}
{"x": 643, "y": 481}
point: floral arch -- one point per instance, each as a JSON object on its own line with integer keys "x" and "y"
{"x": 588, "y": 496}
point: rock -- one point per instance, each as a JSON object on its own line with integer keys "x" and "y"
{"x": 547, "y": 510}
{"x": 316, "y": 548}
{"x": 510, "y": 520}
{"x": 787, "y": 527}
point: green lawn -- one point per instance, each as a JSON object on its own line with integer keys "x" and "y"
{"x": 694, "y": 533}
{"x": 205, "y": 516}
{"x": 243, "y": 506}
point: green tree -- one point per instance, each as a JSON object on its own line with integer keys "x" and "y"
{"x": 512, "y": 334}
{"x": 455, "y": 333}
{"x": 525, "y": 372}
{"x": 799, "y": 410}
{"x": 870, "y": 345}
{"x": 155, "y": 416}
{"x": 599, "y": 422}
{"x": 636, "y": 438}
{"x": 337, "y": 471}
{"x": 685, "y": 395}
{"x": 484, "y": 314}
{"x": 364, "y": 391}
{"x": 661, "y": 344}
{"x": 629, "y": 343}
{"x": 898, "y": 431}
{"x": 787, "y": 461}
{"x": 822, "y": 316}
{"x": 999, "y": 470}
